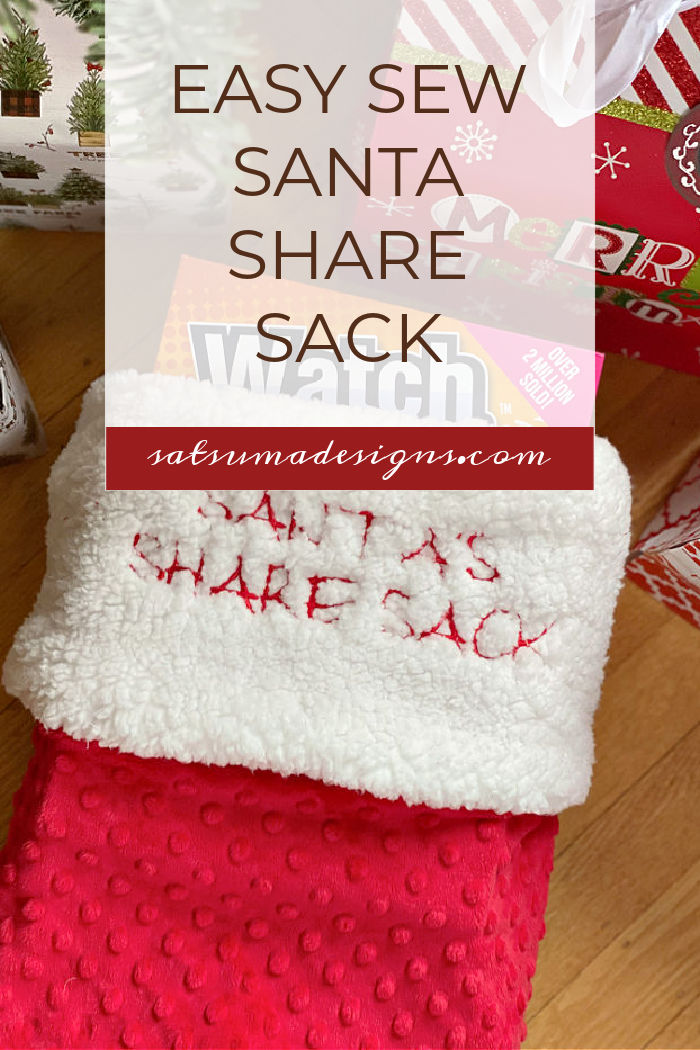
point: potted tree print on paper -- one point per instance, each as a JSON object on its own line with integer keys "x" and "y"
{"x": 79, "y": 187}
{"x": 17, "y": 166}
{"x": 86, "y": 111}
{"x": 45, "y": 201}
{"x": 13, "y": 197}
{"x": 25, "y": 70}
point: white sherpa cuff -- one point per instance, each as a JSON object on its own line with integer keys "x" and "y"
{"x": 445, "y": 647}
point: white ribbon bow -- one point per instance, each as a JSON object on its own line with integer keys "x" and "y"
{"x": 620, "y": 33}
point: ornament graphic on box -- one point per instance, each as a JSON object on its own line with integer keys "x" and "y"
{"x": 682, "y": 157}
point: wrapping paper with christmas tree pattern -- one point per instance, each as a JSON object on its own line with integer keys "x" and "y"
{"x": 52, "y": 137}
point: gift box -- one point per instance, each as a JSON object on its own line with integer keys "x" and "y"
{"x": 647, "y": 202}
{"x": 482, "y": 376}
{"x": 522, "y": 179}
{"x": 646, "y": 235}
{"x": 52, "y": 117}
{"x": 666, "y": 560}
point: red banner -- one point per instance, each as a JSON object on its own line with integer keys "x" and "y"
{"x": 349, "y": 458}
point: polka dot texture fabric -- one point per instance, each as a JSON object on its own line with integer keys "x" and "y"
{"x": 149, "y": 903}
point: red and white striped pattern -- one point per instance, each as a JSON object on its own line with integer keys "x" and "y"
{"x": 498, "y": 31}
{"x": 504, "y": 31}
{"x": 670, "y": 77}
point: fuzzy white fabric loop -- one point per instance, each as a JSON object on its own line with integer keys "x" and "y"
{"x": 446, "y": 647}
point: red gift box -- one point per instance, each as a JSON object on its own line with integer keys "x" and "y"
{"x": 649, "y": 302}
{"x": 647, "y": 232}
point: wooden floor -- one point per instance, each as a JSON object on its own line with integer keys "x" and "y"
{"x": 620, "y": 966}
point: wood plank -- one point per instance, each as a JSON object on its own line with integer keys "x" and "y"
{"x": 622, "y": 381}
{"x": 646, "y": 706}
{"x": 658, "y": 435}
{"x": 608, "y": 876}
{"x": 51, "y": 307}
{"x": 52, "y": 310}
{"x": 15, "y": 751}
{"x": 652, "y": 966}
{"x": 19, "y": 596}
{"x": 24, "y": 489}
{"x": 680, "y": 1033}
{"x": 638, "y": 619}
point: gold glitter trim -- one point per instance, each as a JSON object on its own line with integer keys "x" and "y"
{"x": 635, "y": 112}
{"x": 621, "y": 108}
{"x": 421, "y": 56}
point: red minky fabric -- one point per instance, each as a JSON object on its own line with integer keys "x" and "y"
{"x": 150, "y": 903}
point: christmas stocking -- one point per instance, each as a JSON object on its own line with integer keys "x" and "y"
{"x": 299, "y": 756}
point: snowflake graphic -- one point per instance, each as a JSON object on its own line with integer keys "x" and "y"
{"x": 483, "y": 308}
{"x": 474, "y": 142}
{"x": 610, "y": 161}
{"x": 390, "y": 207}
{"x": 542, "y": 271}
{"x": 544, "y": 266}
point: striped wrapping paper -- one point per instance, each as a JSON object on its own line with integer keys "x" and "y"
{"x": 503, "y": 32}
{"x": 666, "y": 559}
{"x": 670, "y": 78}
